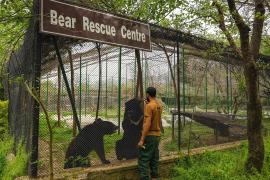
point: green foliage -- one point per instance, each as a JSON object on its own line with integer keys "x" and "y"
{"x": 220, "y": 165}
{"x": 14, "y": 18}
{"x": 12, "y": 166}
{"x": 3, "y": 119}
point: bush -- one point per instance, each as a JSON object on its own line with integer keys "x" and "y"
{"x": 3, "y": 119}
{"x": 11, "y": 166}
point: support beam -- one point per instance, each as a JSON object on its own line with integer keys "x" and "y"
{"x": 119, "y": 89}
{"x": 178, "y": 92}
{"x": 71, "y": 98}
{"x": 37, "y": 56}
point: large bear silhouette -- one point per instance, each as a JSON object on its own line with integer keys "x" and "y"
{"x": 90, "y": 138}
{"x": 132, "y": 126}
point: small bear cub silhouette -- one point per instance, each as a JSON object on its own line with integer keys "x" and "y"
{"x": 90, "y": 138}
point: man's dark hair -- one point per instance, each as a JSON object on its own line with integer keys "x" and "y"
{"x": 151, "y": 91}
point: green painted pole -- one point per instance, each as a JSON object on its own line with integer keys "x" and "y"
{"x": 112, "y": 93}
{"x": 214, "y": 87}
{"x": 135, "y": 75}
{"x": 184, "y": 83}
{"x": 178, "y": 92}
{"x": 194, "y": 85}
{"x": 89, "y": 92}
{"x": 231, "y": 98}
{"x": 167, "y": 88}
{"x": 145, "y": 72}
{"x": 206, "y": 89}
{"x": 80, "y": 88}
{"x": 126, "y": 83}
{"x": 86, "y": 88}
{"x": 143, "y": 69}
{"x": 119, "y": 89}
{"x": 62, "y": 91}
{"x": 227, "y": 88}
{"x": 47, "y": 92}
{"x": 106, "y": 103}
{"x": 174, "y": 72}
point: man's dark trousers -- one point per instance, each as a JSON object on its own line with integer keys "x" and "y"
{"x": 149, "y": 157}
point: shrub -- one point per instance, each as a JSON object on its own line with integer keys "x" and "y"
{"x": 11, "y": 165}
{"x": 3, "y": 119}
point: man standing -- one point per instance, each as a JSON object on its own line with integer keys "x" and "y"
{"x": 148, "y": 145}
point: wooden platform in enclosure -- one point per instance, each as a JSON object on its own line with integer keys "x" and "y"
{"x": 221, "y": 123}
{"x": 128, "y": 169}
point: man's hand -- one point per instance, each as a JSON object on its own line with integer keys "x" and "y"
{"x": 140, "y": 144}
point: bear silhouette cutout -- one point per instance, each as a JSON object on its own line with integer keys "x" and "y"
{"x": 89, "y": 139}
{"x": 126, "y": 148}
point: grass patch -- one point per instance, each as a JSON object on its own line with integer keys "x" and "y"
{"x": 197, "y": 132}
{"x": 61, "y": 134}
{"x": 220, "y": 165}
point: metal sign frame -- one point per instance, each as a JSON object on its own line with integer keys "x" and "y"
{"x": 113, "y": 17}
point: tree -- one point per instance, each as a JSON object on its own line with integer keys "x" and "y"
{"x": 248, "y": 53}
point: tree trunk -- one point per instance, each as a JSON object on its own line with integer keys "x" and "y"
{"x": 254, "y": 119}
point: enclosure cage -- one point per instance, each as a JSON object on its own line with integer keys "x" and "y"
{"x": 108, "y": 75}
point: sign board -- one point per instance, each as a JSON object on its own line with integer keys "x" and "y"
{"x": 64, "y": 19}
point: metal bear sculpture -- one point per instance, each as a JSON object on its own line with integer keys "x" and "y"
{"x": 126, "y": 148}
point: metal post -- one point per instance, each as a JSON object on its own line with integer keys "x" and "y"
{"x": 106, "y": 87}
{"x": 47, "y": 92}
{"x": 58, "y": 108}
{"x": 62, "y": 91}
{"x": 99, "y": 78}
{"x": 67, "y": 84}
{"x": 145, "y": 72}
{"x": 126, "y": 83}
{"x": 89, "y": 92}
{"x": 37, "y": 56}
{"x": 119, "y": 89}
{"x": 135, "y": 75}
{"x": 206, "y": 88}
{"x": 178, "y": 99}
{"x": 174, "y": 72}
{"x": 167, "y": 88}
{"x": 231, "y": 98}
{"x": 184, "y": 85}
{"x": 143, "y": 69}
{"x": 86, "y": 88}
{"x": 227, "y": 88}
{"x": 80, "y": 91}
{"x": 112, "y": 93}
{"x": 214, "y": 87}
